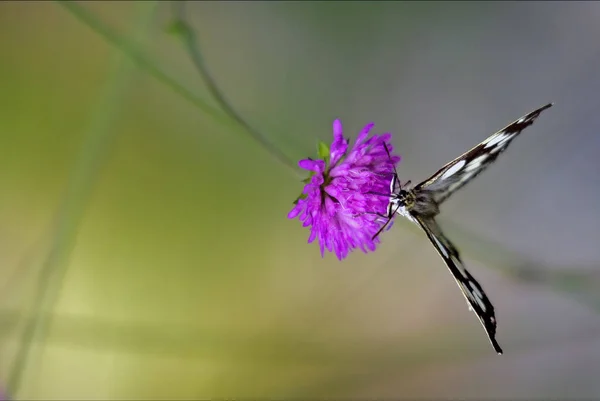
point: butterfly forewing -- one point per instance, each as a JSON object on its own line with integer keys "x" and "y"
{"x": 464, "y": 168}
{"x": 472, "y": 291}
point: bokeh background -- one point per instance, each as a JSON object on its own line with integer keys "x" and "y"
{"x": 144, "y": 246}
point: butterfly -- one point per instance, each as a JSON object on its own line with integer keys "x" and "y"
{"x": 421, "y": 205}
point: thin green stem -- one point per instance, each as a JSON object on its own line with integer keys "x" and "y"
{"x": 98, "y": 139}
{"x": 192, "y": 47}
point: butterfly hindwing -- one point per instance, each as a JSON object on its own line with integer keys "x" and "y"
{"x": 472, "y": 291}
{"x": 464, "y": 168}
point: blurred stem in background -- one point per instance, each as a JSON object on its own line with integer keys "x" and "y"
{"x": 97, "y": 141}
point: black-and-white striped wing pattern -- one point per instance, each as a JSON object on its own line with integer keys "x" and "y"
{"x": 472, "y": 291}
{"x": 421, "y": 204}
{"x": 464, "y": 168}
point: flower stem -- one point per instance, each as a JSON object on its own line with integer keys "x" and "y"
{"x": 190, "y": 42}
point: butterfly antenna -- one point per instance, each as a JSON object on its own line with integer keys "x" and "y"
{"x": 391, "y": 161}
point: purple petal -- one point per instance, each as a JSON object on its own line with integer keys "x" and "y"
{"x": 339, "y": 146}
{"x": 317, "y": 166}
{"x": 363, "y": 133}
{"x": 296, "y": 210}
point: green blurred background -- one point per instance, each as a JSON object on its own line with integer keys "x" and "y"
{"x": 145, "y": 247}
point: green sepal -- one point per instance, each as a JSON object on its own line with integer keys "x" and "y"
{"x": 302, "y": 196}
{"x": 323, "y": 150}
{"x": 307, "y": 179}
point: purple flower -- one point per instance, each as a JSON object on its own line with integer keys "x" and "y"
{"x": 337, "y": 200}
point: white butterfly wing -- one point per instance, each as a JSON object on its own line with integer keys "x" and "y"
{"x": 472, "y": 291}
{"x": 464, "y": 168}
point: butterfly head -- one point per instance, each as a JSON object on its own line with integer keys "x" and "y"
{"x": 404, "y": 198}
{"x": 401, "y": 202}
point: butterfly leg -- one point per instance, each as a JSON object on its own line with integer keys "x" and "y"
{"x": 386, "y": 175}
{"x": 378, "y": 194}
{"x": 389, "y": 217}
{"x": 375, "y": 213}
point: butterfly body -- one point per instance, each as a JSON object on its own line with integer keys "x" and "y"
{"x": 421, "y": 205}
{"x": 408, "y": 202}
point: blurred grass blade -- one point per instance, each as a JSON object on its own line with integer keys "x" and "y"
{"x": 97, "y": 140}
{"x": 131, "y": 50}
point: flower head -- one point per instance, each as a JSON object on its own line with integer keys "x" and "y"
{"x": 338, "y": 200}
